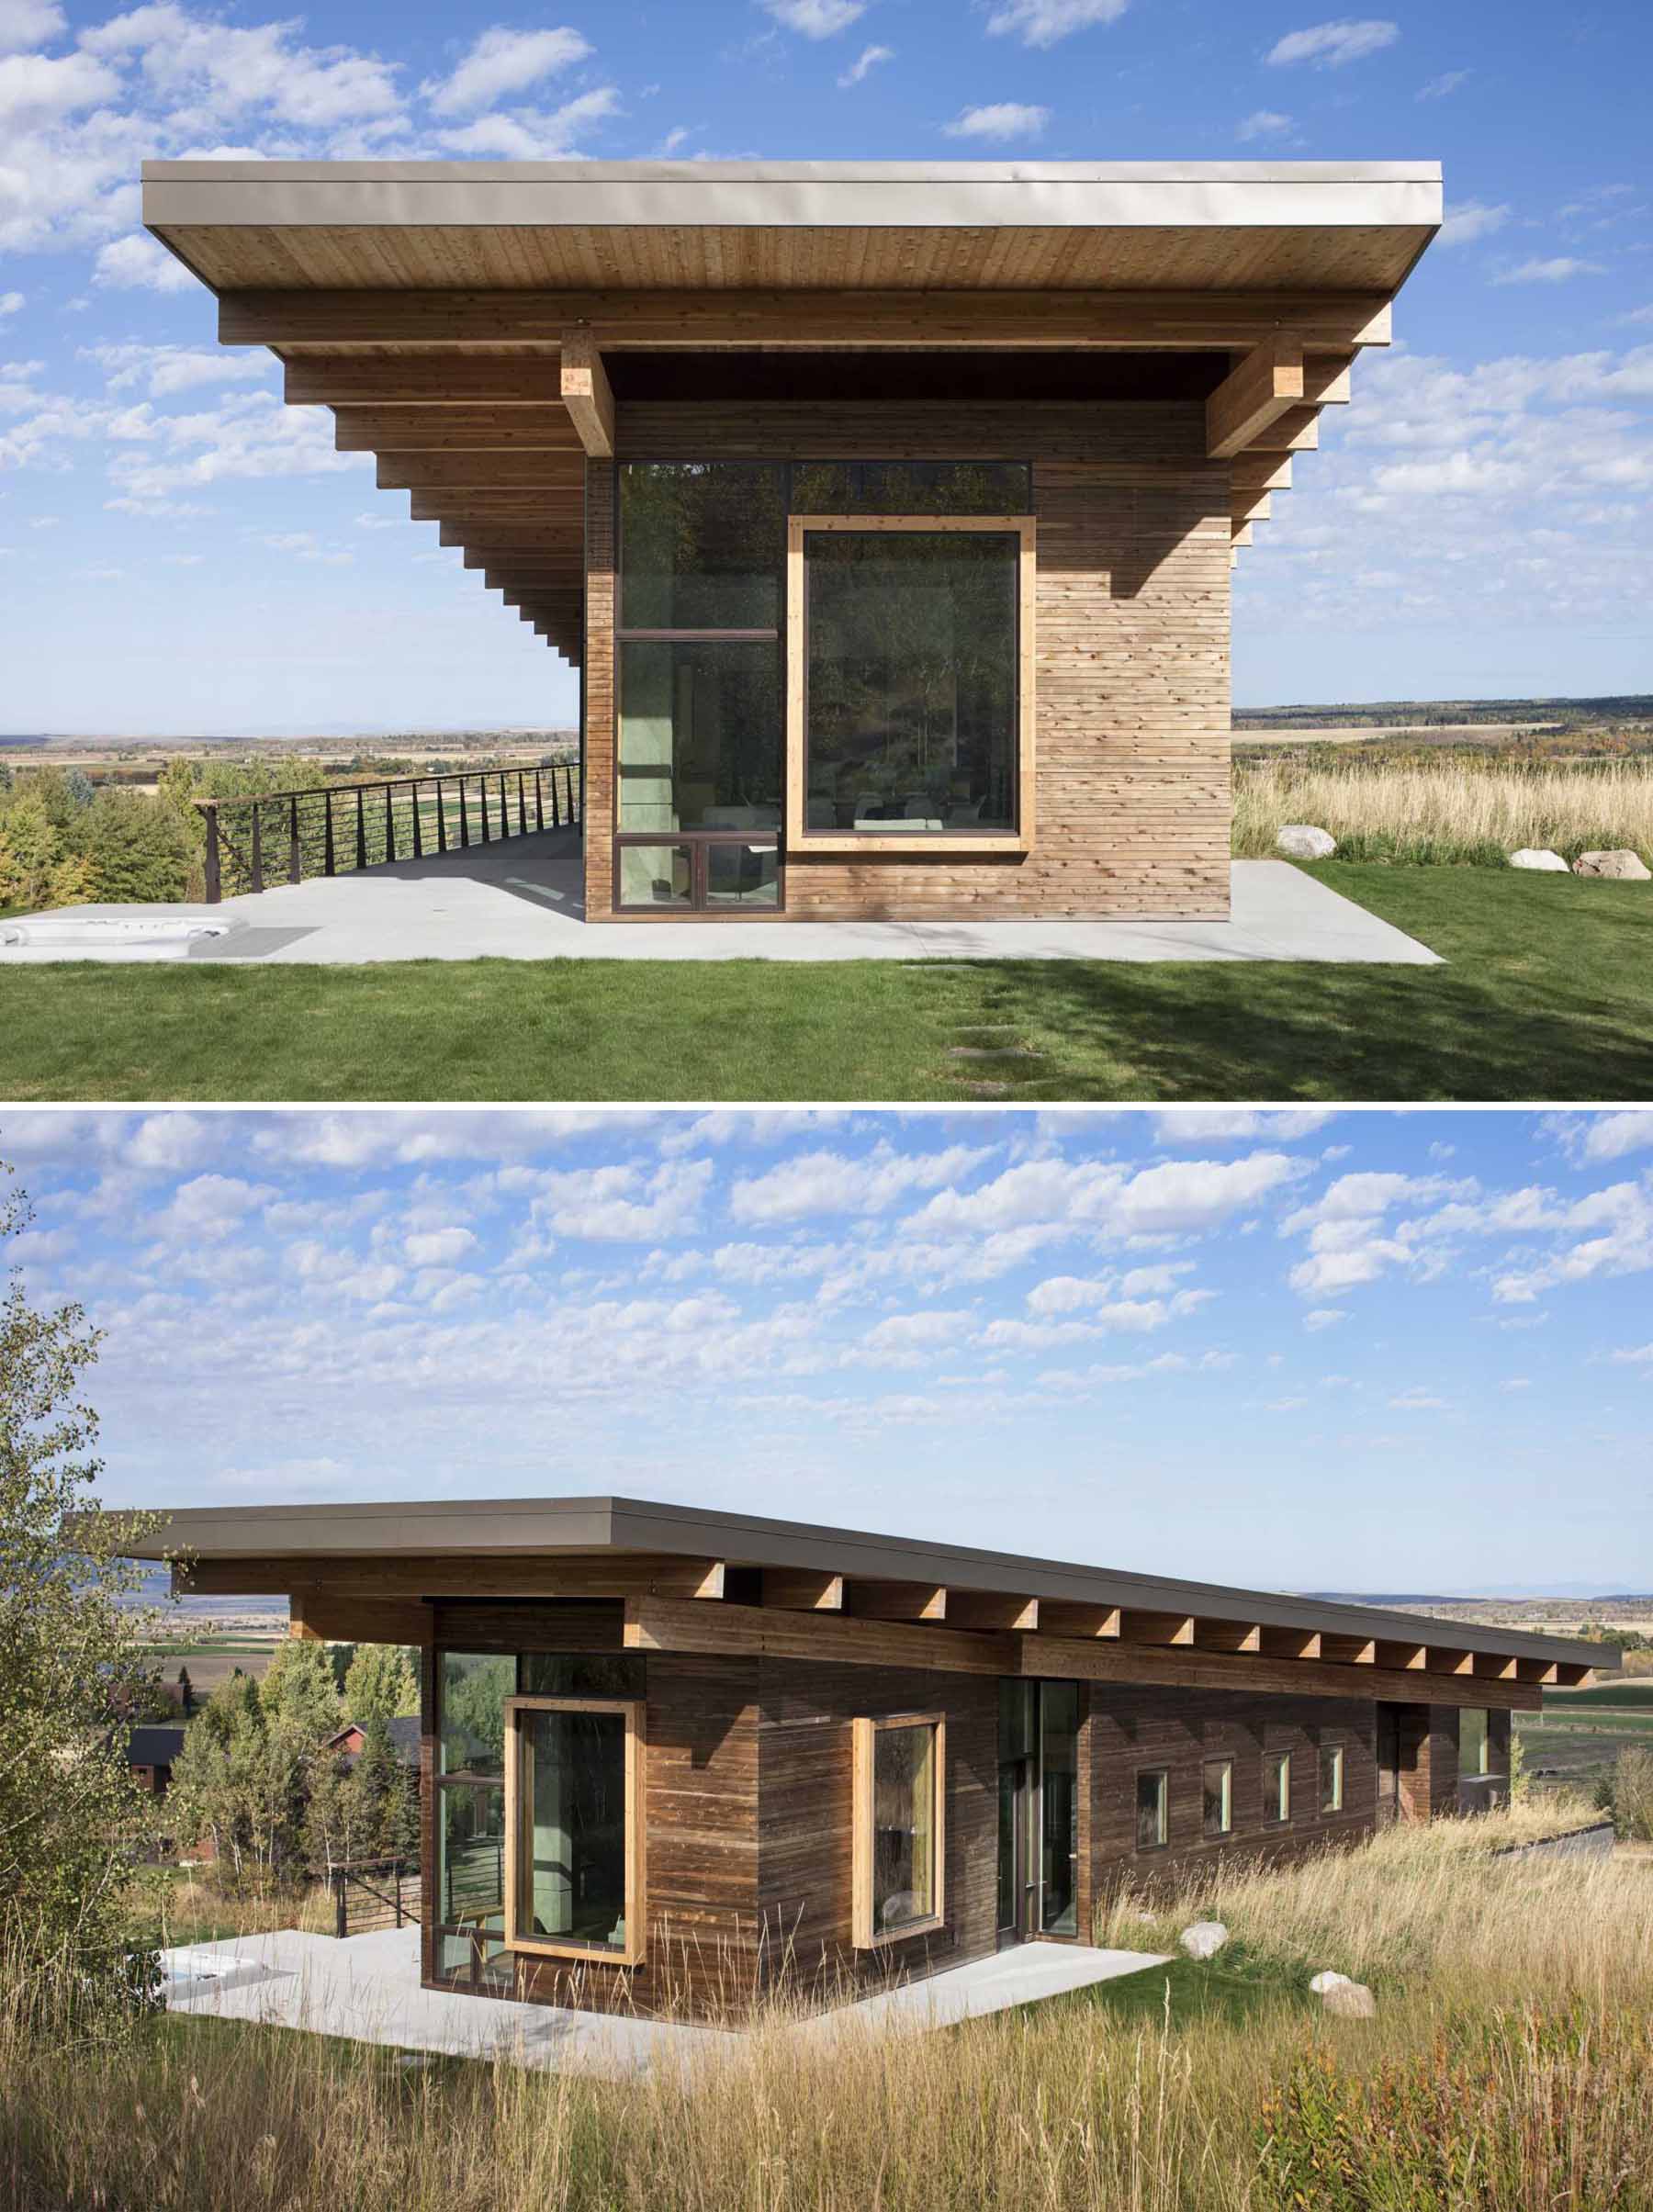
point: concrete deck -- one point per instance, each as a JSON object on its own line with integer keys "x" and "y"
{"x": 366, "y": 1987}
{"x": 522, "y": 900}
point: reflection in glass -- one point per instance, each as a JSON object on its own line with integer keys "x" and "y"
{"x": 700, "y": 734}
{"x": 912, "y": 487}
{"x": 1059, "y": 1800}
{"x": 1331, "y": 1777}
{"x": 654, "y": 875}
{"x": 904, "y": 1827}
{"x": 571, "y": 1805}
{"x": 1472, "y": 1742}
{"x": 702, "y": 545}
{"x": 910, "y": 715}
{"x": 1152, "y": 1791}
{"x": 470, "y": 1853}
{"x": 1218, "y": 1796}
{"x": 472, "y": 1691}
{"x": 580, "y": 1674}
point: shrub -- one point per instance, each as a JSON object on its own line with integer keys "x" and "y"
{"x": 133, "y": 849}
{"x": 1631, "y": 1798}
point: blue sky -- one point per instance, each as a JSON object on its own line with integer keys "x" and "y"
{"x": 1402, "y": 1352}
{"x": 178, "y": 553}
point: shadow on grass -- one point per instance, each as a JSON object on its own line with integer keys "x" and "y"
{"x": 1231, "y": 1988}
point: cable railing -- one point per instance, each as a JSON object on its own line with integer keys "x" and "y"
{"x": 373, "y": 1893}
{"x": 331, "y": 830}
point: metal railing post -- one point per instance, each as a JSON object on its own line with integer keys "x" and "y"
{"x": 257, "y": 849}
{"x": 521, "y": 808}
{"x": 463, "y": 817}
{"x": 341, "y": 1911}
{"x": 361, "y": 829}
{"x": 389, "y": 823}
{"x": 214, "y": 887}
{"x": 539, "y": 800}
{"x": 295, "y": 860}
{"x": 418, "y": 840}
{"x": 327, "y": 836}
{"x": 441, "y": 818}
{"x": 482, "y": 803}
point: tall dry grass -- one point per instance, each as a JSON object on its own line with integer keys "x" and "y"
{"x": 1458, "y": 811}
{"x": 1066, "y": 2108}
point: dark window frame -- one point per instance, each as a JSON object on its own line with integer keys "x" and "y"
{"x": 1163, "y": 1776}
{"x": 1224, "y": 1763}
{"x": 1278, "y": 1797}
{"x": 1338, "y": 1754}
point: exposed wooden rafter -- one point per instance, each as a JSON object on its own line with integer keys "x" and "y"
{"x": 586, "y": 393}
{"x": 1255, "y": 394}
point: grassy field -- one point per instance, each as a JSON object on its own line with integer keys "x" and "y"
{"x": 1466, "y": 807}
{"x": 1546, "y": 995}
{"x": 1508, "y": 2070}
{"x": 1573, "y": 1742}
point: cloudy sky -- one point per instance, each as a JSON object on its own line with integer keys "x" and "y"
{"x": 1402, "y": 1351}
{"x": 179, "y": 553}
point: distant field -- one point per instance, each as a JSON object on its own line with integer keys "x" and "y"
{"x": 213, "y": 1660}
{"x": 1419, "y": 733}
{"x": 1633, "y": 1691}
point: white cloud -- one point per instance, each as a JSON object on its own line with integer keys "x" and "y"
{"x": 1418, "y": 1401}
{"x": 217, "y": 71}
{"x": 1177, "y": 1197}
{"x": 622, "y": 1203}
{"x": 164, "y": 370}
{"x": 35, "y": 89}
{"x": 1331, "y": 45}
{"x": 139, "y": 262}
{"x": 1610, "y": 1136}
{"x": 527, "y": 135}
{"x": 1555, "y": 270}
{"x": 1448, "y": 82}
{"x": 501, "y": 62}
{"x": 1262, "y": 123}
{"x": 209, "y": 1207}
{"x": 1622, "y": 1214}
{"x": 823, "y": 1183}
{"x": 1640, "y": 1355}
{"x": 1004, "y": 119}
{"x": 1468, "y": 220}
{"x": 901, "y": 1337}
{"x": 28, "y": 23}
{"x": 439, "y": 1247}
{"x": 1324, "y": 1316}
{"x": 1043, "y": 22}
{"x": 868, "y": 60}
{"x": 817, "y": 19}
{"x": 1235, "y": 1125}
{"x": 10, "y": 303}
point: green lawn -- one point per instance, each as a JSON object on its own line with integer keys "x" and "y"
{"x": 1230, "y": 1988}
{"x": 1548, "y": 995}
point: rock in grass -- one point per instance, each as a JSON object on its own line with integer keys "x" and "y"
{"x": 1625, "y": 866}
{"x": 1301, "y": 841}
{"x": 1321, "y": 1983}
{"x": 1350, "y": 2001}
{"x": 1204, "y": 1939}
{"x": 1550, "y": 863}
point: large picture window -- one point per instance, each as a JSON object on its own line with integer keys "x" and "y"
{"x": 910, "y": 705}
{"x": 899, "y": 1811}
{"x": 573, "y": 1827}
{"x": 1474, "y": 1753}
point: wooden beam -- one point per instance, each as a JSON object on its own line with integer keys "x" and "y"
{"x": 746, "y": 1631}
{"x": 1260, "y": 472}
{"x": 1239, "y": 534}
{"x": 1296, "y": 432}
{"x": 344, "y": 1617}
{"x": 1495, "y": 1666}
{"x": 1137, "y": 1627}
{"x": 991, "y": 1609}
{"x": 1326, "y": 381}
{"x": 1291, "y": 1644}
{"x": 895, "y": 1601}
{"x": 301, "y": 1622}
{"x": 513, "y": 537}
{"x": 1061, "y": 1618}
{"x": 1446, "y": 1659}
{"x": 802, "y": 1591}
{"x": 1536, "y": 1670}
{"x": 1572, "y": 1678}
{"x": 1227, "y": 1635}
{"x": 533, "y": 507}
{"x": 1349, "y": 1651}
{"x": 1253, "y": 394}
{"x": 775, "y": 320}
{"x": 1407, "y": 1658}
{"x": 1252, "y": 505}
{"x": 463, "y": 1575}
{"x": 481, "y": 471}
{"x": 448, "y": 380}
{"x": 455, "y": 430}
{"x": 586, "y": 392}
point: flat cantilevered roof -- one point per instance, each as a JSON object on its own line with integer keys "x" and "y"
{"x": 312, "y": 1537}
{"x": 1303, "y": 225}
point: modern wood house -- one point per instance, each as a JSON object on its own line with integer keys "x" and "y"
{"x": 673, "y": 1760}
{"x": 887, "y": 509}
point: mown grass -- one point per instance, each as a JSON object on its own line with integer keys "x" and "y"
{"x": 1546, "y": 995}
{"x": 1462, "y": 808}
{"x": 1508, "y": 2070}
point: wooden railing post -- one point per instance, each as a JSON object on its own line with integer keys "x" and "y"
{"x": 214, "y": 884}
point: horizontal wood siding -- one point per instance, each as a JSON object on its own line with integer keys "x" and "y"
{"x": 1179, "y": 1730}
{"x": 805, "y": 1826}
{"x": 1131, "y": 653}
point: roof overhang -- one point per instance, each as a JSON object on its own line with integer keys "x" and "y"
{"x": 295, "y": 1546}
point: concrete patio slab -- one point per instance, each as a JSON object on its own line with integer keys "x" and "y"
{"x": 522, "y": 900}
{"x": 366, "y": 1988}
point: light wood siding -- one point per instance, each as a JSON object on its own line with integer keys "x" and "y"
{"x": 1131, "y": 653}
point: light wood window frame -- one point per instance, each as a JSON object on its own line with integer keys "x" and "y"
{"x": 1223, "y": 1766}
{"x": 632, "y": 1710}
{"x": 1277, "y": 1794}
{"x": 1334, "y": 1753}
{"x": 864, "y": 1734}
{"x": 801, "y": 839}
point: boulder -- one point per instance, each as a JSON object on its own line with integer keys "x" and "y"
{"x": 1350, "y": 2001}
{"x": 1204, "y": 1939}
{"x": 1551, "y": 863}
{"x": 1625, "y": 866}
{"x": 1300, "y": 841}
{"x": 1322, "y": 1982}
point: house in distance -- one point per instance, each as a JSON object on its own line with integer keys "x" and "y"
{"x": 673, "y": 1760}
{"x": 887, "y": 509}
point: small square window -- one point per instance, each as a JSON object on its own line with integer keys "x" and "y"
{"x": 1218, "y": 1796}
{"x": 1276, "y": 1788}
{"x": 1331, "y": 1777}
{"x": 1152, "y": 1809}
